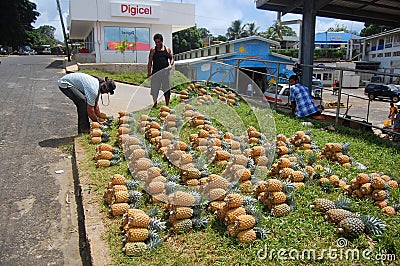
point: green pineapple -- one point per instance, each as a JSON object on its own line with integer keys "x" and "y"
{"x": 337, "y": 215}
{"x": 134, "y": 248}
{"x": 182, "y": 225}
{"x": 351, "y": 227}
{"x": 280, "y": 210}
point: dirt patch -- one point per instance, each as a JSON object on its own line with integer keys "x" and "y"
{"x": 99, "y": 249}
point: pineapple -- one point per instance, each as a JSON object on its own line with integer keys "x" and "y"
{"x": 280, "y": 210}
{"x": 378, "y": 183}
{"x": 389, "y": 210}
{"x": 285, "y": 173}
{"x": 106, "y": 163}
{"x": 181, "y": 198}
{"x": 381, "y": 204}
{"x": 234, "y": 200}
{"x": 393, "y": 184}
{"x": 118, "y": 179}
{"x": 182, "y": 212}
{"x": 244, "y": 222}
{"x": 232, "y": 230}
{"x": 104, "y": 147}
{"x": 337, "y": 215}
{"x": 273, "y": 185}
{"x": 216, "y": 194}
{"x": 247, "y": 236}
{"x": 284, "y": 163}
{"x": 119, "y": 208}
{"x": 257, "y": 150}
{"x": 191, "y": 173}
{"x": 137, "y": 234}
{"x": 351, "y": 227}
{"x": 121, "y": 197}
{"x": 134, "y": 248}
{"x": 216, "y": 181}
{"x": 183, "y": 225}
{"x": 243, "y": 174}
{"x": 277, "y": 197}
{"x": 222, "y": 155}
{"x": 297, "y": 176}
{"x": 156, "y": 187}
{"x": 366, "y": 189}
{"x": 232, "y": 214}
{"x": 139, "y": 219}
{"x": 378, "y": 194}
{"x": 362, "y": 178}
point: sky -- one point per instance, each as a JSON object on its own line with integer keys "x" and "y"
{"x": 215, "y": 15}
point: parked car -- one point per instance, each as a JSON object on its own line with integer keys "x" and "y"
{"x": 382, "y": 91}
{"x": 26, "y": 50}
{"x": 317, "y": 88}
{"x": 3, "y": 51}
{"x": 283, "y": 92}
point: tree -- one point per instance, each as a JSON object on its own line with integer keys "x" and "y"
{"x": 276, "y": 32}
{"x": 343, "y": 28}
{"x": 204, "y": 33}
{"x": 236, "y": 30}
{"x": 371, "y": 29}
{"x": 251, "y": 29}
{"x": 41, "y": 36}
{"x": 186, "y": 40}
{"x": 16, "y": 18}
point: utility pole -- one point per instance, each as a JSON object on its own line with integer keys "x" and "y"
{"x": 63, "y": 29}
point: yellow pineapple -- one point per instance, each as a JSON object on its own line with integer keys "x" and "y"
{"x": 119, "y": 208}
{"x": 118, "y": 179}
{"x": 277, "y": 197}
{"x": 137, "y": 234}
{"x": 247, "y": 236}
{"x": 182, "y": 212}
{"x": 234, "y": 200}
{"x": 233, "y": 213}
{"x": 245, "y": 222}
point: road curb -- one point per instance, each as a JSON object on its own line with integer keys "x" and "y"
{"x": 97, "y": 248}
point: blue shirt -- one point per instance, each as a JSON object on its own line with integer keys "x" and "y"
{"x": 85, "y": 83}
{"x": 304, "y": 103}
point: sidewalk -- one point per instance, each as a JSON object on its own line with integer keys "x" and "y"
{"x": 127, "y": 97}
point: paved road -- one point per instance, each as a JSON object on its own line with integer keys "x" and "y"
{"x": 378, "y": 110}
{"x": 38, "y": 223}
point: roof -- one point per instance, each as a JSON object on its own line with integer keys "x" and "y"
{"x": 334, "y": 37}
{"x": 204, "y": 58}
{"x": 388, "y": 32}
{"x": 382, "y": 12}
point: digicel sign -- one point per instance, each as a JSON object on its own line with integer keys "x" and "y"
{"x": 134, "y": 10}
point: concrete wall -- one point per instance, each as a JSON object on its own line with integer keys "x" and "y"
{"x": 114, "y": 68}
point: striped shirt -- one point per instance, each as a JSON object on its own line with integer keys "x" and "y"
{"x": 85, "y": 83}
{"x": 304, "y": 103}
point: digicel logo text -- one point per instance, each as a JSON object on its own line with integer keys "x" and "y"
{"x": 134, "y": 10}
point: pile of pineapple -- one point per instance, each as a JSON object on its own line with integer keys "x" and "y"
{"x": 375, "y": 187}
{"x": 98, "y": 133}
{"x": 350, "y": 224}
{"x": 106, "y": 155}
{"x": 185, "y": 211}
{"x": 141, "y": 231}
{"x": 337, "y": 152}
{"x": 276, "y": 195}
{"x": 240, "y": 216}
{"x": 120, "y": 193}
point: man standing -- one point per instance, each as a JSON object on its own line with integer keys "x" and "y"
{"x": 160, "y": 62}
{"x": 84, "y": 90}
{"x": 301, "y": 101}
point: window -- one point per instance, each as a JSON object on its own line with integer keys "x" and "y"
{"x": 137, "y": 38}
{"x": 327, "y": 76}
{"x": 373, "y": 55}
{"x": 388, "y": 54}
{"x": 397, "y": 53}
{"x": 380, "y": 55}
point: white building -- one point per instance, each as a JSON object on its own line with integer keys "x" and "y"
{"x": 383, "y": 48}
{"x": 103, "y": 25}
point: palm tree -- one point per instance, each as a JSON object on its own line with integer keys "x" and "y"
{"x": 236, "y": 30}
{"x": 252, "y": 29}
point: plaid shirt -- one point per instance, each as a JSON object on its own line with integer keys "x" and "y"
{"x": 304, "y": 103}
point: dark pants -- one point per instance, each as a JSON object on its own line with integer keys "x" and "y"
{"x": 80, "y": 101}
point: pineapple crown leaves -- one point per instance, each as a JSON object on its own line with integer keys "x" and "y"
{"x": 197, "y": 209}
{"x": 132, "y": 184}
{"x": 247, "y": 201}
{"x": 196, "y": 195}
{"x": 360, "y": 166}
{"x": 153, "y": 212}
{"x": 154, "y": 242}
{"x": 343, "y": 203}
{"x": 373, "y": 225}
{"x": 156, "y": 162}
{"x": 290, "y": 196}
{"x": 345, "y": 148}
{"x": 156, "y": 225}
{"x": 261, "y": 232}
{"x": 171, "y": 187}
{"x": 174, "y": 178}
{"x": 288, "y": 187}
{"x": 116, "y": 150}
{"x": 135, "y": 197}
{"x": 200, "y": 222}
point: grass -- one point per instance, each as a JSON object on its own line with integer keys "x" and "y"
{"x": 302, "y": 229}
